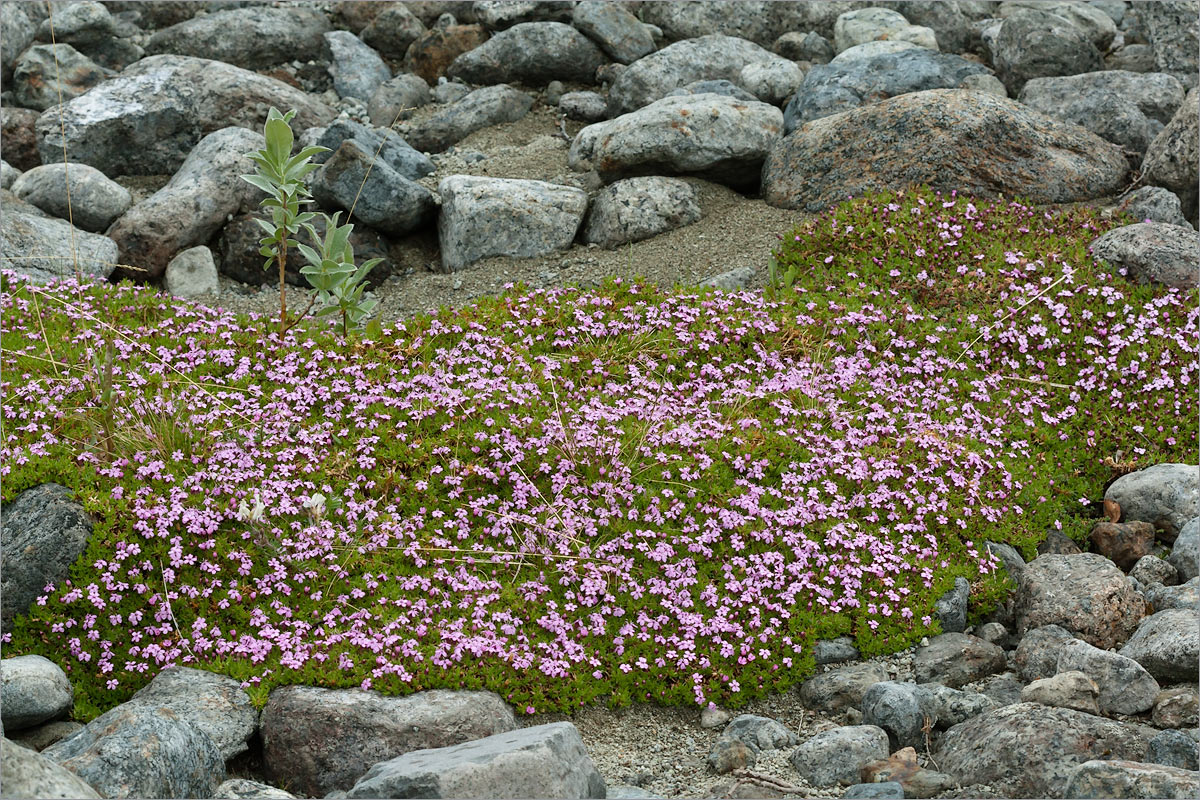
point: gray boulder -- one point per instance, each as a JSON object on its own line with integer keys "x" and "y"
{"x": 1154, "y": 204}
{"x": 90, "y": 28}
{"x": 833, "y": 651}
{"x": 950, "y": 610}
{"x": 868, "y": 50}
{"x": 1124, "y": 686}
{"x": 727, "y": 755}
{"x": 1153, "y": 252}
{"x": 44, "y": 530}
{"x": 1091, "y": 21}
{"x": 532, "y": 53}
{"x": 243, "y": 789}
{"x": 714, "y": 57}
{"x": 948, "y": 19}
{"x": 1167, "y": 495}
{"x": 1029, "y": 750}
{"x": 1178, "y": 707}
{"x": 384, "y": 145}
{"x": 148, "y": 120}
{"x": 59, "y": 250}
{"x": 1185, "y": 554}
{"x": 216, "y": 705}
{"x": 380, "y": 196}
{"x": 497, "y": 15}
{"x": 397, "y": 98}
{"x": 904, "y": 710}
{"x": 950, "y": 706}
{"x": 192, "y": 273}
{"x": 540, "y": 761}
{"x": 1171, "y": 160}
{"x": 639, "y": 208}
{"x": 95, "y": 203}
{"x": 1173, "y": 748}
{"x": 322, "y": 740}
{"x": 733, "y": 280}
{"x": 621, "y": 35}
{"x": 954, "y": 659}
{"x": 1039, "y": 44}
{"x": 8, "y": 174}
{"x": 137, "y": 750}
{"x": 1071, "y": 689}
{"x": 1037, "y": 653}
{"x": 884, "y": 790}
{"x": 256, "y": 37}
{"x": 484, "y": 217}
{"x": 759, "y": 733}
{"x": 869, "y": 24}
{"x": 39, "y": 737}
{"x": 1167, "y": 644}
{"x": 1086, "y": 594}
{"x": 837, "y": 756}
{"x": 479, "y": 109}
{"x": 19, "y": 31}
{"x": 356, "y": 69}
{"x": 1128, "y": 778}
{"x": 754, "y": 21}
{"x": 722, "y": 87}
{"x": 1131, "y": 58}
{"x": 26, "y": 773}
{"x": 841, "y": 688}
{"x": 393, "y": 29}
{"x": 1186, "y": 595}
{"x": 772, "y": 81}
{"x": 811, "y": 47}
{"x": 48, "y": 74}
{"x": 33, "y": 689}
{"x": 583, "y": 106}
{"x": 1151, "y": 570}
{"x": 193, "y": 206}
{"x": 706, "y": 135}
{"x": 950, "y": 139}
{"x": 1173, "y": 29}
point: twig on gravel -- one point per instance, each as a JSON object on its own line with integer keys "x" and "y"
{"x": 759, "y": 779}
{"x": 562, "y": 127}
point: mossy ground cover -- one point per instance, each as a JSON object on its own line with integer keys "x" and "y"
{"x": 628, "y": 494}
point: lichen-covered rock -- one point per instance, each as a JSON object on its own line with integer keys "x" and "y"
{"x": 434, "y": 51}
{"x": 904, "y": 710}
{"x": 1173, "y": 28}
{"x": 869, "y": 24}
{"x": 1185, "y": 553}
{"x": 1178, "y": 707}
{"x": 1128, "y": 778}
{"x": 252, "y": 38}
{"x": 356, "y": 69}
{"x": 1152, "y": 252}
{"x": 1040, "y": 44}
{"x": 57, "y": 251}
{"x": 1166, "y": 495}
{"x": 759, "y": 733}
{"x": 621, "y": 35}
{"x": 95, "y": 203}
{"x": 532, "y": 53}
{"x": 397, "y": 98}
{"x": 638, "y": 208}
{"x": 841, "y": 688}
{"x": 1172, "y": 158}
{"x": 26, "y": 773}
{"x": 393, "y": 29}
{"x": 1167, "y": 644}
{"x": 954, "y": 659}
{"x": 1123, "y": 685}
{"x": 837, "y": 756}
{"x": 1085, "y": 594}
{"x": 1154, "y": 204}
{"x": 380, "y": 196}
{"x": 33, "y": 689}
{"x": 1071, "y": 689}
{"x": 214, "y": 704}
{"x": 49, "y": 74}
{"x": 950, "y": 139}
{"x": 479, "y": 109}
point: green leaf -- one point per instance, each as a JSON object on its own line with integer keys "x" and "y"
{"x": 259, "y": 181}
{"x": 310, "y": 255}
{"x": 266, "y": 226}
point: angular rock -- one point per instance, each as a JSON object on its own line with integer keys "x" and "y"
{"x": 19, "y": 31}
{"x": 1085, "y": 593}
{"x": 759, "y": 733}
{"x": 1131, "y": 58}
{"x": 621, "y": 35}
{"x": 714, "y": 57}
{"x": 1039, "y": 44}
{"x": 869, "y": 50}
{"x": 639, "y": 208}
{"x": 1154, "y": 204}
{"x": 392, "y": 31}
{"x": 1004, "y": 688}
{"x": 321, "y": 740}
{"x": 397, "y": 98}
{"x": 480, "y": 109}
{"x": 380, "y": 196}
{"x": 384, "y": 145}
{"x": 501, "y": 14}
{"x": 995, "y": 633}
{"x": 1037, "y": 653}
{"x": 446, "y": 93}
{"x": 1185, "y": 553}
{"x": 948, "y": 20}
{"x": 1097, "y": 26}
{"x": 434, "y": 51}
{"x": 1167, "y": 495}
{"x": 1176, "y": 708}
{"x": 722, "y": 87}
{"x": 1167, "y": 644}
{"x": 1173, "y": 749}
{"x": 95, "y": 201}
{"x": 902, "y": 768}
{"x": 583, "y": 106}
{"x": 243, "y": 789}
{"x": 59, "y": 250}
{"x": 33, "y": 689}
{"x": 1124, "y": 686}
{"x": 216, "y": 705}
{"x": 869, "y": 24}
{"x": 950, "y": 610}
{"x": 484, "y": 217}
{"x": 91, "y": 29}
{"x": 136, "y": 750}
{"x": 541, "y": 761}
{"x": 1173, "y": 29}
{"x": 885, "y": 790}
{"x": 952, "y": 706}
{"x": 1127, "y": 778}
{"x": 20, "y": 139}
{"x": 148, "y": 120}
{"x": 713, "y": 717}
{"x": 1029, "y": 750}
{"x": 356, "y": 69}
{"x": 728, "y": 754}
{"x": 903, "y": 710}
{"x": 755, "y": 21}
{"x": 1124, "y": 543}
{"x": 1186, "y": 595}
{"x": 25, "y": 773}
{"x": 39, "y": 737}
{"x": 837, "y": 756}
{"x": 705, "y": 135}
{"x": 193, "y": 206}
{"x": 256, "y": 37}
{"x": 1156, "y": 96}
{"x": 8, "y": 174}
{"x": 44, "y": 529}
{"x": 1070, "y": 689}
{"x": 811, "y": 47}
{"x": 40, "y": 83}
{"x": 1155, "y": 253}
{"x": 532, "y": 53}
{"x": 1171, "y": 160}
{"x": 946, "y": 138}
{"x": 1151, "y": 570}
{"x": 954, "y": 659}
{"x": 1058, "y": 543}
{"x": 833, "y": 651}
{"x": 772, "y": 81}
{"x": 841, "y": 688}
